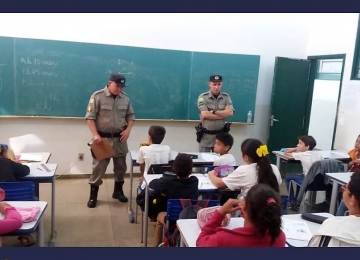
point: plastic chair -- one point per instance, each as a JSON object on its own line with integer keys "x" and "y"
{"x": 19, "y": 191}
{"x": 174, "y": 209}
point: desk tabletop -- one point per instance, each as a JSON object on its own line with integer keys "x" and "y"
{"x": 340, "y": 177}
{"x": 190, "y": 230}
{"x": 39, "y": 170}
{"x": 204, "y": 182}
{"x": 30, "y": 226}
{"x": 202, "y": 157}
{"x": 338, "y": 155}
{"x": 35, "y": 157}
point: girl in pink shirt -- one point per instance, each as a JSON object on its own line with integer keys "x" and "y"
{"x": 261, "y": 209}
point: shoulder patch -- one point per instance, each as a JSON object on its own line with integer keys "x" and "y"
{"x": 91, "y": 100}
{"x": 201, "y": 99}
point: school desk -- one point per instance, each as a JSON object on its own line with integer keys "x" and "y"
{"x": 45, "y": 173}
{"x": 337, "y": 178}
{"x": 30, "y": 227}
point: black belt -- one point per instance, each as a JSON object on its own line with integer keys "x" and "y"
{"x": 109, "y": 135}
{"x": 214, "y": 132}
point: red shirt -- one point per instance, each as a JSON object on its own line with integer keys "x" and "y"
{"x": 213, "y": 235}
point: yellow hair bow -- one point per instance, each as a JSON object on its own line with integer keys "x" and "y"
{"x": 262, "y": 151}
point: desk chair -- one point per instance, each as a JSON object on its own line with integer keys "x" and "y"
{"x": 174, "y": 208}
{"x": 19, "y": 191}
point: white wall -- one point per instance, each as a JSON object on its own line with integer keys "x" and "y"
{"x": 336, "y": 34}
{"x": 268, "y": 35}
{"x": 323, "y": 112}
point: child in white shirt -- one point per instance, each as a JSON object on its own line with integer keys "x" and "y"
{"x": 304, "y": 153}
{"x": 257, "y": 170}
{"x": 155, "y": 153}
{"x": 222, "y": 146}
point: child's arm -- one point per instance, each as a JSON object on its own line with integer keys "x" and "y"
{"x": 12, "y": 219}
{"x": 288, "y": 152}
{"x": 20, "y": 170}
{"x": 142, "y": 168}
{"x": 216, "y": 181}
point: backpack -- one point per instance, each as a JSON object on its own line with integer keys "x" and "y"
{"x": 189, "y": 211}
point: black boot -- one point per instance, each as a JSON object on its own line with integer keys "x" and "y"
{"x": 93, "y": 196}
{"x": 118, "y": 191}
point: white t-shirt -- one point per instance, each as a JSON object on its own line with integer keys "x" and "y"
{"x": 307, "y": 159}
{"x": 245, "y": 176}
{"x": 153, "y": 154}
{"x": 225, "y": 159}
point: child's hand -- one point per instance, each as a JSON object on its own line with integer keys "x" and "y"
{"x": 3, "y": 206}
{"x": 230, "y": 206}
{"x": 212, "y": 173}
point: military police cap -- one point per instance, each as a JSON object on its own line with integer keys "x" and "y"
{"x": 216, "y": 78}
{"x": 118, "y": 79}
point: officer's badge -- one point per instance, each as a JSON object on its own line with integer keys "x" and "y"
{"x": 216, "y": 77}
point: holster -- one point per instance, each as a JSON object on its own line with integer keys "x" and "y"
{"x": 226, "y": 128}
{"x": 200, "y": 131}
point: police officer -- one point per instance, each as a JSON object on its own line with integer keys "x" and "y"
{"x": 214, "y": 107}
{"x": 110, "y": 115}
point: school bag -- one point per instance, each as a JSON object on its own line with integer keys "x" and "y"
{"x": 189, "y": 211}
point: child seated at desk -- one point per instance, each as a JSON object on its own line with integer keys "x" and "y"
{"x": 342, "y": 231}
{"x": 12, "y": 220}
{"x": 181, "y": 186}
{"x": 354, "y": 165}
{"x": 11, "y": 171}
{"x": 222, "y": 146}
{"x": 155, "y": 153}
{"x": 257, "y": 170}
{"x": 261, "y": 209}
{"x": 304, "y": 153}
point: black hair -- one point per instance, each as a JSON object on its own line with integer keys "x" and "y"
{"x": 263, "y": 206}
{"x": 354, "y": 185}
{"x": 226, "y": 139}
{"x": 157, "y": 133}
{"x": 308, "y": 140}
{"x": 183, "y": 165}
{"x": 264, "y": 170}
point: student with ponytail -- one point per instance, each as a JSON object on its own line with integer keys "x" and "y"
{"x": 261, "y": 209}
{"x": 257, "y": 170}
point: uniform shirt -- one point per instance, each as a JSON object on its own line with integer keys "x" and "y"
{"x": 153, "y": 154}
{"x": 213, "y": 235}
{"x": 245, "y": 176}
{"x": 11, "y": 171}
{"x": 307, "y": 159}
{"x": 207, "y": 102}
{"x": 225, "y": 159}
{"x": 110, "y": 115}
{"x": 171, "y": 187}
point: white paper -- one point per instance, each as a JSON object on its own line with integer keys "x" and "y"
{"x": 209, "y": 157}
{"x": 30, "y": 157}
{"x": 296, "y": 229}
{"x": 349, "y": 97}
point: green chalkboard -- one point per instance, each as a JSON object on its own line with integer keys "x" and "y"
{"x": 56, "y": 78}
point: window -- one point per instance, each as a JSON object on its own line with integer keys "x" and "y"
{"x": 355, "y": 74}
{"x": 329, "y": 69}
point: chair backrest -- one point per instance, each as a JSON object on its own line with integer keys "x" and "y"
{"x": 19, "y": 191}
{"x": 174, "y": 207}
{"x": 160, "y": 168}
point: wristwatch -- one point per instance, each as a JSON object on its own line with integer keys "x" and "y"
{"x": 214, "y": 112}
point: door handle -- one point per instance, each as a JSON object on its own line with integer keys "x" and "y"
{"x": 272, "y": 120}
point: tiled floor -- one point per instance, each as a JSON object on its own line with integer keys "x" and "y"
{"x": 107, "y": 225}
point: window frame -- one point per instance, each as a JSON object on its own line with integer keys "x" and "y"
{"x": 355, "y": 70}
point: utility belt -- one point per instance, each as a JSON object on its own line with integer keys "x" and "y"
{"x": 109, "y": 135}
{"x": 200, "y": 131}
